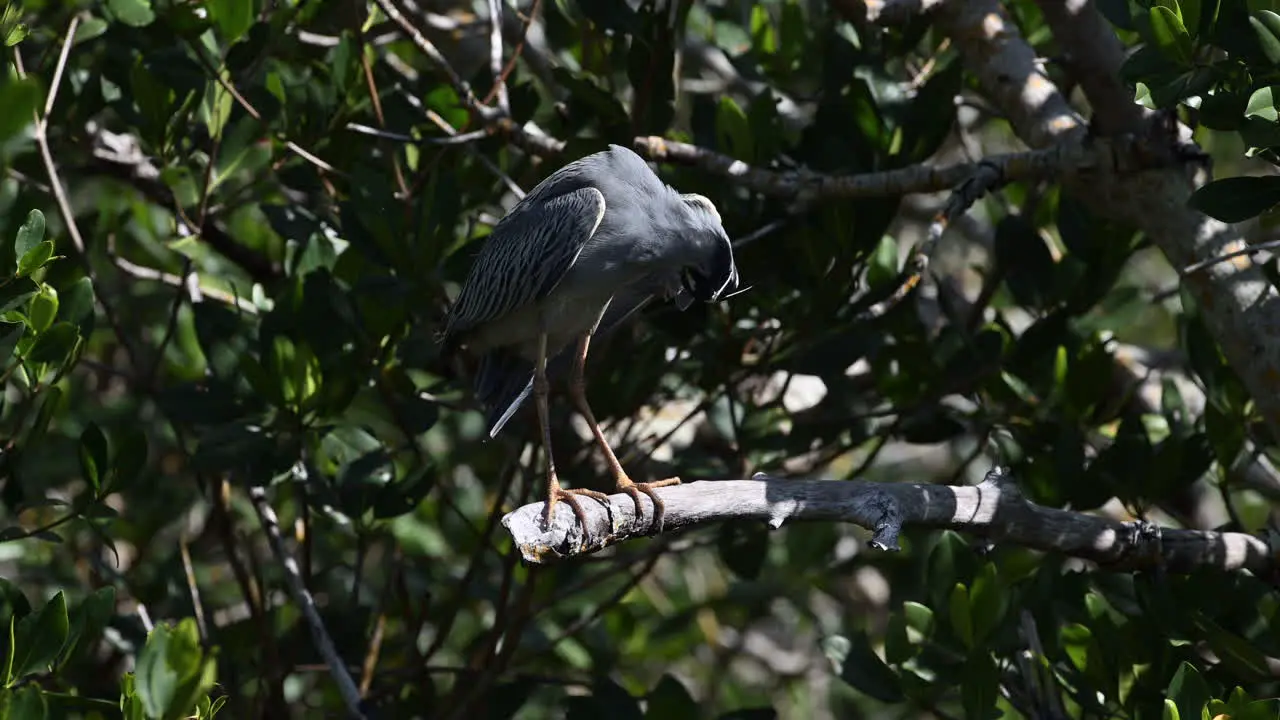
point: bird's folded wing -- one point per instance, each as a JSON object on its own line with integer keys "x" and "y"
{"x": 526, "y": 256}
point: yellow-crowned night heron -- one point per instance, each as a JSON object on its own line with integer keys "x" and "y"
{"x": 586, "y": 249}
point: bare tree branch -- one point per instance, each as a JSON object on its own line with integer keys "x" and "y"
{"x": 495, "y": 57}
{"x": 1093, "y": 55}
{"x": 1240, "y": 305}
{"x": 995, "y": 509}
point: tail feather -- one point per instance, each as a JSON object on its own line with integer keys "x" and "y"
{"x": 503, "y": 380}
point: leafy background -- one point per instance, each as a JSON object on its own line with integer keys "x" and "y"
{"x": 217, "y": 277}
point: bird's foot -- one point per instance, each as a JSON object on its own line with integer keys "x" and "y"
{"x": 570, "y": 498}
{"x": 626, "y": 485}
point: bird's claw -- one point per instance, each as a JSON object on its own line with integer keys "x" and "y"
{"x": 570, "y": 497}
{"x": 659, "y": 508}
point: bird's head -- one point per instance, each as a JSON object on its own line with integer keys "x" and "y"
{"x": 712, "y": 275}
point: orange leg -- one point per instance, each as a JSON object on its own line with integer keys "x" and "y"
{"x": 541, "y": 389}
{"x": 623, "y": 483}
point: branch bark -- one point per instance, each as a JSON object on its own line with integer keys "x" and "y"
{"x": 1240, "y": 306}
{"x": 994, "y": 509}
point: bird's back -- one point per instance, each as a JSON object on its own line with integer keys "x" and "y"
{"x": 510, "y": 265}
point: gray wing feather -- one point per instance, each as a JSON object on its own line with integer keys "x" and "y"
{"x": 526, "y": 256}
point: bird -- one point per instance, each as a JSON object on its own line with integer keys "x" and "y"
{"x": 584, "y": 251}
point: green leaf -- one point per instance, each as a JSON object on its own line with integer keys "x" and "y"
{"x": 403, "y": 496}
{"x": 44, "y": 308}
{"x": 763, "y": 38}
{"x": 961, "y": 616}
{"x": 130, "y": 457}
{"x": 12, "y": 644}
{"x": 35, "y": 258}
{"x": 1077, "y": 641}
{"x": 733, "y": 130}
{"x": 1024, "y": 260}
{"x": 16, "y": 34}
{"x": 979, "y": 686}
{"x": 197, "y": 672}
{"x": 608, "y": 699}
{"x": 1171, "y": 35}
{"x": 1189, "y": 11}
{"x": 931, "y": 116}
{"x": 30, "y": 233}
{"x": 155, "y": 680}
{"x": 583, "y": 89}
{"x": 55, "y": 344}
{"x": 48, "y": 406}
{"x": 1237, "y": 199}
{"x": 1266, "y": 25}
{"x": 75, "y": 302}
{"x": 1262, "y": 104}
{"x": 670, "y": 699}
{"x": 27, "y": 703}
{"x": 863, "y": 670}
{"x": 93, "y": 456}
{"x": 1188, "y": 691}
{"x": 898, "y": 647}
{"x": 1223, "y": 110}
{"x": 884, "y": 263}
{"x": 919, "y": 618}
{"x": 137, "y": 13}
{"x": 1241, "y": 657}
{"x": 14, "y": 292}
{"x": 233, "y": 17}
{"x": 88, "y": 620}
{"x": 987, "y": 602}
{"x": 90, "y": 28}
{"x": 10, "y": 333}
{"x": 19, "y": 97}
{"x": 507, "y": 698}
{"x": 39, "y": 637}
{"x": 743, "y": 547}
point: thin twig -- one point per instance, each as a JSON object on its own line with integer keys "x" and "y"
{"x": 172, "y": 325}
{"x": 57, "y": 71}
{"x": 1249, "y": 250}
{"x": 371, "y": 657}
{"x": 145, "y": 273}
{"x": 516, "y": 51}
{"x": 495, "y": 56}
{"x": 755, "y": 235}
{"x": 306, "y": 603}
{"x": 194, "y": 588}
{"x": 458, "y": 139}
